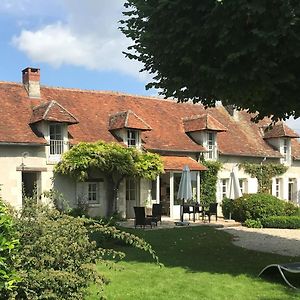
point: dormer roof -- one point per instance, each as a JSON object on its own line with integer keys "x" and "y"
{"x": 52, "y": 111}
{"x": 127, "y": 119}
{"x": 202, "y": 122}
{"x": 279, "y": 130}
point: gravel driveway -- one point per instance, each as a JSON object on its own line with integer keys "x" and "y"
{"x": 279, "y": 241}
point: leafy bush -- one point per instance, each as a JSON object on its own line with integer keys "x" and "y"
{"x": 290, "y": 209}
{"x": 289, "y": 222}
{"x": 258, "y": 206}
{"x": 8, "y": 249}
{"x": 227, "y": 207}
{"x": 57, "y": 256}
{"x": 253, "y": 223}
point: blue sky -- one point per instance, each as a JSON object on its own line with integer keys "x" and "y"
{"x": 74, "y": 43}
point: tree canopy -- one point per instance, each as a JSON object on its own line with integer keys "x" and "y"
{"x": 116, "y": 161}
{"x": 244, "y": 53}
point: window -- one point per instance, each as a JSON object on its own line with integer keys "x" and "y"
{"x": 132, "y": 138}
{"x": 291, "y": 189}
{"x": 211, "y": 145}
{"x": 153, "y": 189}
{"x": 277, "y": 187}
{"x": 93, "y": 192}
{"x": 224, "y": 187}
{"x": 242, "y": 183}
{"x": 131, "y": 191}
{"x": 56, "y": 139}
{"x": 286, "y": 151}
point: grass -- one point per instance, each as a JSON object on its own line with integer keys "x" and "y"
{"x": 199, "y": 263}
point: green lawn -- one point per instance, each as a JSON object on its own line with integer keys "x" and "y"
{"x": 199, "y": 263}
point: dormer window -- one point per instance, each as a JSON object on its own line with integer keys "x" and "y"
{"x": 56, "y": 139}
{"x": 52, "y": 120}
{"x": 132, "y": 138}
{"x": 127, "y": 126}
{"x": 204, "y": 129}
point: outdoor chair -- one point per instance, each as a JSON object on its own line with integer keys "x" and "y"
{"x": 211, "y": 211}
{"x": 186, "y": 210}
{"x": 288, "y": 272}
{"x": 140, "y": 217}
{"x": 156, "y": 213}
{"x": 198, "y": 209}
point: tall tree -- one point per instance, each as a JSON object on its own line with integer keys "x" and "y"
{"x": 245, "y": 53}
{"x": 116, "y": 161}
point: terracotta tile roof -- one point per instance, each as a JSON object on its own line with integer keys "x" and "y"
{"x": 15, "y": 114}
{"x": 127, "y": 119}
{"x": 93, "y": 110}
{"x": 203, "y": 122}
{"x": 176, "y": 163}
{"x": 52, "y": 111}
{"x": 279, "y": 130}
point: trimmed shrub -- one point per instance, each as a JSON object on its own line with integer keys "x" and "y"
{"x": 253, "y": 223}
{"x": 258, "y": 206}
{"x": 288, "y": 222}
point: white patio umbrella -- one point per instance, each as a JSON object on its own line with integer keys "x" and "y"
{"x": 185, "y": 187}
{"x": 234, "y": 185}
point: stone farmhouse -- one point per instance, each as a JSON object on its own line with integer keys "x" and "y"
{"x": 39, "y": 123}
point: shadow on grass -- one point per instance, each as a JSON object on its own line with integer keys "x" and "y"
{"x": 201, "y": 249}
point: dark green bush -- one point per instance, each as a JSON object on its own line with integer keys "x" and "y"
{"x": 289, "y": 222}
{"x": 258, "y": 206}
{"x": 8, "y": 250}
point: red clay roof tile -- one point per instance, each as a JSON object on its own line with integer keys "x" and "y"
{"x": 93, "y": 110}
{"x": 53, "y": 112}
{"x": 279, "y": 130}
{"x": 127, "y": 119}
{"x": 203, "y": 122}
{"x": 176, "y": 163}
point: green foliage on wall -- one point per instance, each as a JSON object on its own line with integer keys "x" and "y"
{"x": 264, "y": 174}
{"x": 115, "y": 160}
{"x": 208, "y": 182}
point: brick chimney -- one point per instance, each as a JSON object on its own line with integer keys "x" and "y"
{"x": 31, "y": 82}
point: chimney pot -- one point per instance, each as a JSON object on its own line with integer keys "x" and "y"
{"x": 31, "y": 82}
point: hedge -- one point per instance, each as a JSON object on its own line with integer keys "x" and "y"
{"x": 288, "y": 222}
{"x": 257, "y": 207}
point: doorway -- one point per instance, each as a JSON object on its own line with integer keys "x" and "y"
{"x": 165, "y": 193}
{"x": 132, "y": 196}
{"x": 30, "y": 184}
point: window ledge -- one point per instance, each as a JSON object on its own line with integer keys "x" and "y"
{"x": 94, "y": 204}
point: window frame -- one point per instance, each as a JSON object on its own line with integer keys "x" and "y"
{"x": 56, "y": 139}
{"x": 224, "y": 187}
{"x": 93, "y": 192}
{"x": 132, "y": 138}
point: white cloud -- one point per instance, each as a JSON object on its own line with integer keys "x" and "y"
{"x": 89, "y": 37}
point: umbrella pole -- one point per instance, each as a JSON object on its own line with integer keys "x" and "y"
{"x": 182, "y": 210}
